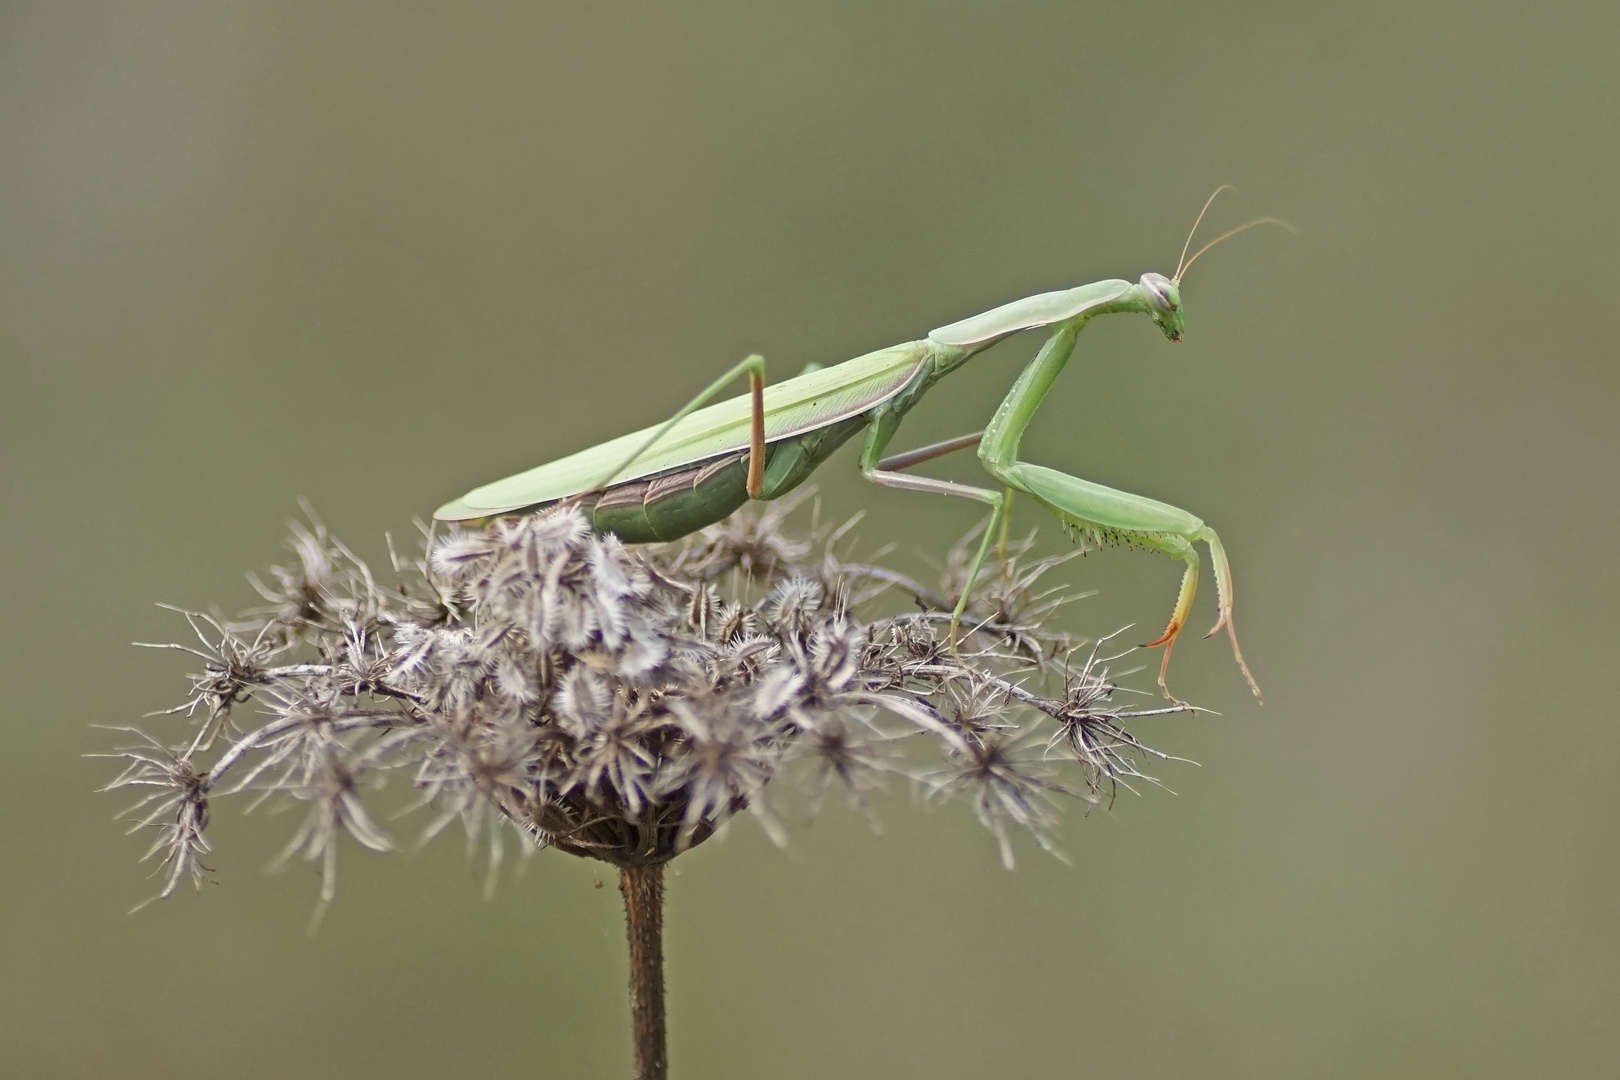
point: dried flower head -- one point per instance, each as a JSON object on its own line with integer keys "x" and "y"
{"x": 533, "y": 679}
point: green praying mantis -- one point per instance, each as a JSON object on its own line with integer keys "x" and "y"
{"x": 703, "y": 463}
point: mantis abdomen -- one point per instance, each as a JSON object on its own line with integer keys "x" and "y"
{"x": 673, "y": 504}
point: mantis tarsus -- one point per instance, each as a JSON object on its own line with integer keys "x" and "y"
{"x": 703, "y": 463}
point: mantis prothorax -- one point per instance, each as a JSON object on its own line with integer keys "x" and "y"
{"x": 704, "y": 462}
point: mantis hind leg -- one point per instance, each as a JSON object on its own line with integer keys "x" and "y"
{"x": 754, "y": 367}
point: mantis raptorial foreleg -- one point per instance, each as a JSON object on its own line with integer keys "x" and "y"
{"x": 754, "y": 366}
{"x": 1101, "y": 514}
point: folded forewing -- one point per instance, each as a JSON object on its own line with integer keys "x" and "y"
{"x": 792, "y": 407}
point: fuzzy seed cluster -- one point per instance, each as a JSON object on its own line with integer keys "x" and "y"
{"x": 533, "y": 680}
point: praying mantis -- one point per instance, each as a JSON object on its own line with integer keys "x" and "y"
{"x": 703, "y": 463}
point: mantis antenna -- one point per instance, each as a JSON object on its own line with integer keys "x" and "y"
{"x": 1199, "y": 220}
{"x": 1184, "y": 264}
{"x": 1228, "y": 234}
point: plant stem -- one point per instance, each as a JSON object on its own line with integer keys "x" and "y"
{"x": 643, "y": 890}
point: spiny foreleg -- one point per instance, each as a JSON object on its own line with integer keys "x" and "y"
{"x": 1118, "y": 517}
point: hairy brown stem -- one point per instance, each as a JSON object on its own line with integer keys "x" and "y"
{"x": 643, "y": 890}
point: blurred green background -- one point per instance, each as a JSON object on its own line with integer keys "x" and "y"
{"x": 376, "y": 254}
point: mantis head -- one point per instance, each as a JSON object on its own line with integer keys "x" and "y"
{"x": 1163, "y": 296}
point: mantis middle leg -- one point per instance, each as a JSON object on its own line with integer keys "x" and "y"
{"x": 1102, "y": 514}
{"x": 884, "y": 472}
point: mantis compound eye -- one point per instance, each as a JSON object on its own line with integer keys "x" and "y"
{"x": 1161, "y": 292}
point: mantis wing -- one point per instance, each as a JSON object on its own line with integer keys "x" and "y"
{"x": 792, "y": 407}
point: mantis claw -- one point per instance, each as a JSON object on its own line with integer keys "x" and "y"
{"x": 1166, "y": 638}
{"x": 1223, "y": 605}
{"x": 1169, "y": 641}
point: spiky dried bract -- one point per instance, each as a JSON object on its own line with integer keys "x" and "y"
{"x": 622, "y": 704}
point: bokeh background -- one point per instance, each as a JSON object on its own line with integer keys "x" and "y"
{"x": 375, "y": 254}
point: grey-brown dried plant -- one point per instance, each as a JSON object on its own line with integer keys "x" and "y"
{"x": 530, "y": 681}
